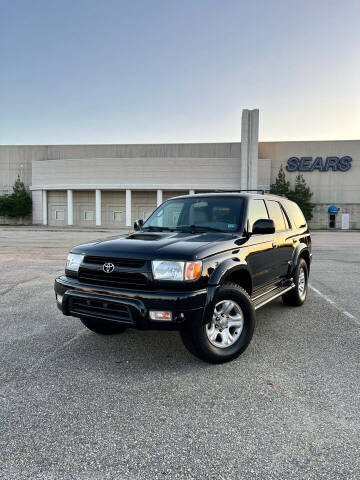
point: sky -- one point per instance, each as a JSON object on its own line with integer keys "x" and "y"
{"x": 154, "y": 71}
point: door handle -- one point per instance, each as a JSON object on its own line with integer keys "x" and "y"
{"x": 274, "y": 245}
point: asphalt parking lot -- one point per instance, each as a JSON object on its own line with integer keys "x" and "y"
{"x": 75, "y": 405}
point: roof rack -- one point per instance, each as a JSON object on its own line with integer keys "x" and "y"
{"x": 262, "y": 192}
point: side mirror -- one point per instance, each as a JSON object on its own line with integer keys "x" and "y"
{"x": 263, "y": 226}
{"x": 138, "y": 224}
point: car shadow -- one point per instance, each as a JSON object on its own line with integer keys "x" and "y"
{"x": 147, "y": 351}
{"x": 132, "y": 351}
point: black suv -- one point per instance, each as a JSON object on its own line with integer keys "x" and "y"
{"x": 201, "y": 264}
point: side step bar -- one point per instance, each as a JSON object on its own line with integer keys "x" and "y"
{"x": 267, "y": 297}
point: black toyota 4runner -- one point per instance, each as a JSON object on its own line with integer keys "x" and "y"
{"x": 201, "y": 264}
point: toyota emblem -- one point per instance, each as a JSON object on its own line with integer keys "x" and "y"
{"x": 108, "y": 267}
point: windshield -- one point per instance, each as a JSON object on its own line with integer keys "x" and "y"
{"x": 203, "y": 213}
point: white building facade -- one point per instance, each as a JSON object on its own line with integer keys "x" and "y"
{"x": 112, "y": 185}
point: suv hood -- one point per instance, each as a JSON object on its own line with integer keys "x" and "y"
{"x": 157, "y": 245}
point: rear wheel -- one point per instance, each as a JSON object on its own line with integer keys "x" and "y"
{"x": 228, "y": 327}
{"x": 297, "y": 295}
{"x": 104, "y": 327}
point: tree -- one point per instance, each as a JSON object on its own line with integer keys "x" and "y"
{"x": 301, "y": 194}
{"x": 281, "y": 186}
{"x": 18, "y": 203}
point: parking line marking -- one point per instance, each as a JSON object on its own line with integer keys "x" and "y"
{"x": 349, "y": 314}
{"x": 334, "y": 304}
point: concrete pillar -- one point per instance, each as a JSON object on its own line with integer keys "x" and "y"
{"x": 98, "y": 208}
{"x": 249, "y": 149}
{"x": 159, "y": 199}
{"x": 70, "y": 208}
{"x": 128, "y": 207}
{"x": 253, "y": 149}
{"x": 244, "y": 149}
{"x": 191, "y": 192}
{"x": 44, "y": 207}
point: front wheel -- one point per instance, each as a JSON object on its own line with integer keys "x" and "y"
{"x": 228, "y": 327}
{"x": 104, "y": 327}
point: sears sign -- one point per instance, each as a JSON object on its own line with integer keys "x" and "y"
{"x": 309, "y": 164}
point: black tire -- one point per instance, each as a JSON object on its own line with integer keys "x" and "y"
{"x": 103, "y": 327}
{"x": 296, "y": 297}
{"x": 195, "y": 336}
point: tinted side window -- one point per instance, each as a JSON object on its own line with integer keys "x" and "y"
{"x": 257, "y": 211}
{"x": 168, "y": 217}
{"x": 295, "y": 214}
{"x": 276, "y": 214}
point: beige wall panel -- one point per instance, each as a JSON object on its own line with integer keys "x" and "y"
{"x": 57, "y": 196}
{"x": 143, "y": 203}
{"x": 145, "y": 150}
{"x": 57, "y": 214}
{"x": 211, "y": 165}
{"x": 143, "y": 197}
{"x": 36, "y": 196}
{"x": 328, "y": 187}
{"x": 15, "y": 220}
{"x": 174, "y": 193}
{"x": 84, "y": 208}
{"x": 16, "y": 160}
{"x": 113, "y": 208}
{"x": 137, "y": 172}
{"x": 321, "y": 216}
{"x": 264, "y": 173}
{"x": 84, "y": 196}
{"x": 57, "y": 208}
{"x": 113, "y": 196}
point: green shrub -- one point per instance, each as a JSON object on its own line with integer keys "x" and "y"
{"x": 281, "y": 185}
{"x": 301, "y": 194}
{"x": 18, "y": 203}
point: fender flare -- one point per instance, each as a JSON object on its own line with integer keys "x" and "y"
{"x": 227, "y": 267}
{"x": 302, "y": 247}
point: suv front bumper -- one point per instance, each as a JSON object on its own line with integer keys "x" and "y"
{"x": 130, "y": 307}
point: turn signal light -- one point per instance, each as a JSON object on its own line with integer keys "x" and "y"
{"x": 160, "y": 316}
{"x": 192, "y": 270}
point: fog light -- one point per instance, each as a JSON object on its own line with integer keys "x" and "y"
{"x": 160, "y": 316}
{"x": 59, "y": 299}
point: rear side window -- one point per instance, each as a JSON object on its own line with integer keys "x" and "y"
{"x": 257, "y": 211}
{"x": 276, "y": 214}
{"x": 295, "y": 214}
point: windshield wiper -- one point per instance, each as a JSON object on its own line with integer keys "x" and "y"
{"x": 193, "y": 228}
{"x": 153, "y": 228}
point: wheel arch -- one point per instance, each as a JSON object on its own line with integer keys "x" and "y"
{"x": 233, "y": 270}
{"x": 301, "y": 252}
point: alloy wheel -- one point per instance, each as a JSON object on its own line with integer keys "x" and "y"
{"x": 302, "y": 282}
{"x": 226, "y": 324}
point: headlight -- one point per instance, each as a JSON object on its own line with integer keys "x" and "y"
{"x": 73, "y": 261}
{"x": 178, "y": 271}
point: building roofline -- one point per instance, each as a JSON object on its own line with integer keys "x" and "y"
{"x": 118, "y": 144}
